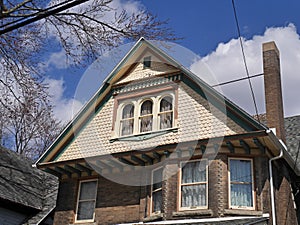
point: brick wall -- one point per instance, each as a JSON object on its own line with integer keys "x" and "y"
{"x": 117, "y": 203}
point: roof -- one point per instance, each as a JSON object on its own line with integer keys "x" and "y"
{"x": 26, "y": 186}
{"x": 292, "y": 130}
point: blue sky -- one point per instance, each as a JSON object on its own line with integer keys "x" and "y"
{"x": 208, "y": 29}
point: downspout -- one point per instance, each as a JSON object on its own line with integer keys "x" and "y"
{"x": 272, "y": 183}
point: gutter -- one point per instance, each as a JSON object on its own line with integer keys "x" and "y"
{"x": 282, "y": 148}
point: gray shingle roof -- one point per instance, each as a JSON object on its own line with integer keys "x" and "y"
{"x": 292, "y": 129}
{"x": 27, "y": 186}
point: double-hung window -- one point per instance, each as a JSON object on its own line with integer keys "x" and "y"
{"x": 193, "y": 188}
{"x": 241, "y": 183}
{"x": 86, "y": 200}
{"x": 157, "y": 177}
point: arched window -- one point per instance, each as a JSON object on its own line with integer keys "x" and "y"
{"x": 127, "y": 120}
{"x": 166, "y": 113}
{"x": 146, "y": 116}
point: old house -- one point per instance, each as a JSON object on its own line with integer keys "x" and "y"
{"x": 156, "y": 144}
{"x": 27, "y": 195}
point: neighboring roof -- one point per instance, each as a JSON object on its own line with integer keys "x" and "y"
{"x": 88, "y": 111}
{"x": 26, "y": 186}
{"x": 292, "y": 130}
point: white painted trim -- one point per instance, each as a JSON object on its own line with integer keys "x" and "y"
{"x": 151, "y": 198}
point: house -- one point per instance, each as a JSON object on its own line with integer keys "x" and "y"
{"x": 27, "y": 195}
{"x": 158, "y": 145}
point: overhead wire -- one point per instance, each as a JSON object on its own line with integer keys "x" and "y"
{"x": 244, "y": 58}
{"x": 236, "y": 80}
{"x": 41, "y": 15}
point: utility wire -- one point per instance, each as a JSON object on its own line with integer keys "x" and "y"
{"x": 33, "y": 14}
{"x": 244, "y": 58}
{"x": 236, "y": 80}
{"x": 43, "y": 14}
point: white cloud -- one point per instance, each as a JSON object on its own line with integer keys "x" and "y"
{"x": 226, "y": 64}
{"x": 64, "y": 108}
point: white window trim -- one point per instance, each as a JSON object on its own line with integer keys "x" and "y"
{"x": 252, "y": 185}
{"x": 151, "y": 198}
{"x": 77, "y": 203}
{"x": 137, "y": 103}
{"x": 180, "y": 184}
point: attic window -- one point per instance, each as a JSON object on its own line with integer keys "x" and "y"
{"x": 147, "y": 62}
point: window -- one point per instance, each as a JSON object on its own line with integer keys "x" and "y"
{"x": 241, "y": 183}
{"x": 86, "y": 200}
{"x": 147, "y": 62}
{"x": 127, "y": 120}
{"x": 146, "y": 116}
{"x": 166, "y": 113}
{"x": 157, "y": 190}
{"x": 193, "y": 185}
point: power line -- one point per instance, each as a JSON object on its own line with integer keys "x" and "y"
{"x": 236, "y": 80}
{"x": 244, "y": 58}
{"x": 43, "y": 14}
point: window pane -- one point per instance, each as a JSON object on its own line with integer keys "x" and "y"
{"x": 194, "y": 172}
{"x": 127, "y": 127}
{"x": 166, "y": 120}
{"x": 146, "y": 124}
{"x": 157, "y": 201}
{"x": 128, "y": 111}
{"x": 146, "y": 108}
{"x": 85, "y": 210}
{"x": 166, "y": 104}
{"x": 157, "y": 179}
{"x": 88, "y": 190}
{"x": 241, "y": 195}
{"x": 193, "y": 195}
{"x": 240, "y": 170}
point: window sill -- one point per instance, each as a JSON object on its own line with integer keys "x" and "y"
{"x": 244, "y": 212}
{"x": 144, "y": 136}
{"x": 197, "y": 212}
{"x": 154, "y": 217}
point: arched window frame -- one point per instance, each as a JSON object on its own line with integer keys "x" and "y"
{"x": 144, "y": 117}
{"x": 129, "y": 120}
{"x": 163, "y": 113}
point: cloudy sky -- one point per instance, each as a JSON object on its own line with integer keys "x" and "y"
{"x": 209, "y": 31}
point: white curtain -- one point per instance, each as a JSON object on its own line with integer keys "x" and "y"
{"x": 193, "y": 194}
{"x": 241, "y": 183}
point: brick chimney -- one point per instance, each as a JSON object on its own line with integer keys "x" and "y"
{"x": 273, "y": 93}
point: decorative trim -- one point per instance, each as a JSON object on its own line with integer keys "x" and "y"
{"x": 150, "y": 82}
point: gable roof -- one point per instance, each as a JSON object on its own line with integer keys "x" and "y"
{"x": 125, "y": 64}
{"x": 26, "y": 186}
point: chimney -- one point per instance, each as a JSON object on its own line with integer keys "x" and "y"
{"x": 273, "y": 93}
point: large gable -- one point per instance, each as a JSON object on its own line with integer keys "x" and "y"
{"x": 200, "y": 112}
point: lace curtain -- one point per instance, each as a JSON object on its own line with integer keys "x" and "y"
{"x": 241, "y": 183}
{"x": 127, "y": 120}
{"x": 146, "y": 116}
{"x": 166, "y": 113}
{"x": 193, "y": 189}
